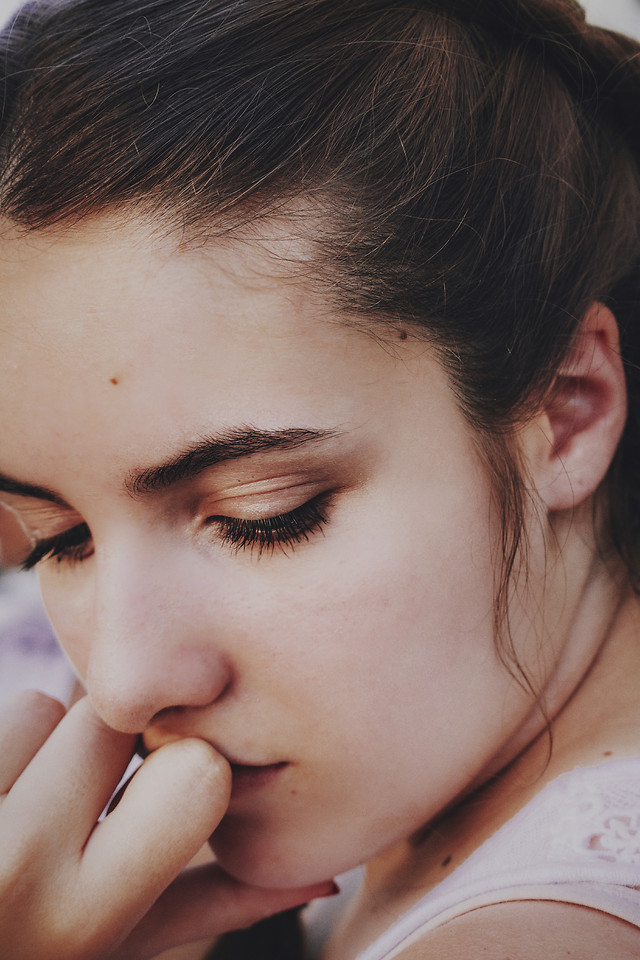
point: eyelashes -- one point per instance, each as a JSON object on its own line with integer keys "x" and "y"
{"x": 267, "y": 534}
{"x": 284, "y": 531}
{"x": 73, "y": 545}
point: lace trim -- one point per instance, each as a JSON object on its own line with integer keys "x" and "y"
{"x": 604, "y": 821}
{"x": 619, "y": 840}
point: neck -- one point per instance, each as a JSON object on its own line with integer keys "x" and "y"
{"x": 594, "y": 605}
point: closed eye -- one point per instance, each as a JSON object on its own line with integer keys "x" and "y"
{"x": 265, "y": 534}
{"x": 73, "y": 546}
{"x": 280, "y": 531}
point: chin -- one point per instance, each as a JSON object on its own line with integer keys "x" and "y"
{"x": 261, "y": 858}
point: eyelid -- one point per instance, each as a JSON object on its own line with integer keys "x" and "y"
{"x": 41, "y": 519}
{"x": 260, "y": 504}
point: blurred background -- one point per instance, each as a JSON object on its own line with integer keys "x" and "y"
{"x": 29, "y": 655}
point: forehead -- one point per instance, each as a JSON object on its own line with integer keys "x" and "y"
{"x": 116, "y": 344}
{"x": 115, "y": 295}
{"x": 79, "y": 285}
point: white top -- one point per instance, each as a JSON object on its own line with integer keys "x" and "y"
{"x": 577, "y": 841}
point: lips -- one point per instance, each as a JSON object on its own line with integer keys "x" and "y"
{"x": 247, "y": 778}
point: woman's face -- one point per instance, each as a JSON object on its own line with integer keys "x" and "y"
{"x": 289, "y": 540}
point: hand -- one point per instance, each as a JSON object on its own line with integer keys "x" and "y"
{"x": 75, "y": 888}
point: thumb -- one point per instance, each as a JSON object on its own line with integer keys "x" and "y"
{"x": 205, "y": 902}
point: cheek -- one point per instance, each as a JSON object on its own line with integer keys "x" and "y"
{"x": 405, "y": 583}
{"x": 393, "y": 698}
{"x": 392, "y": 624}
{"x": 69, "y": 608}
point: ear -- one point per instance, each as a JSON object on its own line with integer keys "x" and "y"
{"x": 580, "y": 425}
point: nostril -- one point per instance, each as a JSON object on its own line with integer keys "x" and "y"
{"x": 167, "y": 712}
{"x": 167, "y": 715}
{"x": 131, "y": 698}
{"x": 175, "y": 712}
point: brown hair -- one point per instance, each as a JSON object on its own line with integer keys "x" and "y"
{"x": 473, "y": 166}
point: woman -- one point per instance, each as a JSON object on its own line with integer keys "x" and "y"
{"x": 319, "y": 402}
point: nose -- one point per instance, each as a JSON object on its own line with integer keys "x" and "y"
{"x": 154, "y": 646}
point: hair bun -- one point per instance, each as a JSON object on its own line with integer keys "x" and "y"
{"x": 600, "y": 67}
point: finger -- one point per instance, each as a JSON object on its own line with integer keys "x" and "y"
{"x": 205, "y": 902}
{"x": 68, "y": 783}
{"x": 25, "y": 723}
{"x": 172, "y": 805}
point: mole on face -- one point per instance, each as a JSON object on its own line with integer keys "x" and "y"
{"x": 114, "y": 381}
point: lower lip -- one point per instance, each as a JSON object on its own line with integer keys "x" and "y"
{"x": 247, "y": 779}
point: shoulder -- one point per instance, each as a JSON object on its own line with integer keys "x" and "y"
{"x": 529, "y": 930}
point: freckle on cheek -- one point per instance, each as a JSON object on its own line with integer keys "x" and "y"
{"x": 114, "y": 381}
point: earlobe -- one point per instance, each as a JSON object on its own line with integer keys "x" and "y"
{"x": 583, "y": 416}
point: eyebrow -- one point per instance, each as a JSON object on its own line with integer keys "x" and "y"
{"x": 211, "y": 451}
{"x": 9, "y": 485}
{"x": 189, "y": 463}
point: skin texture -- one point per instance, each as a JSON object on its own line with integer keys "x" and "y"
{"x": 361, "y": 657}
{"x": 556, "y": 931}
